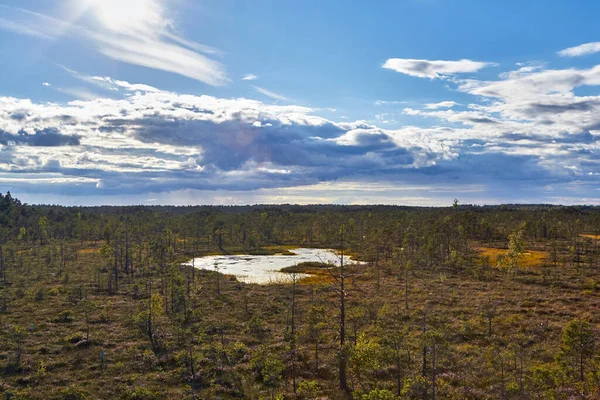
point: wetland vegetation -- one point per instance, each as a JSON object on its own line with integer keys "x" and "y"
{"x": 461, "y": 302}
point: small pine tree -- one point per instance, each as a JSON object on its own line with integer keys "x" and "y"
{"x": 578, "y": 345}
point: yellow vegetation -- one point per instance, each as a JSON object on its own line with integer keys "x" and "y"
{"x": 529, "y": 259}
{"x": 316, "y": 276}
{"x": 585, "y": 235}
{"x": 88, "y": 251}
{"x": 282, "y": 247}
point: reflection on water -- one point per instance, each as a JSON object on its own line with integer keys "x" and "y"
{"x": 263, "y": 269}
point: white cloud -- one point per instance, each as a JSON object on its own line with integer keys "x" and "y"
{"x": 23, "y": 29}
{"x": 581, "y": 50}
{"x": 388, "y": 102}
{"x": 249, "y": 77}
{"x": 146, "y": 38}
{"x": 80, "y": 93}
{"x": 442, "y": 104}
{"x": 164, "y": 56}
{"x": 524, "y": 69}
{"x": 522, "y": 127}
{"x": 270, "y": 94}
{"x": 46, "y": 84}
{"x": 29, "y": 23}
{"x": 433, "y": 69}
{"x": 150, "y": 140}
{"x": 385, "y": 118}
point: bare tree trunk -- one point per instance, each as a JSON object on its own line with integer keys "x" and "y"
{"x": 87, "y": 326}
{"x": 342, "y": 367}
{"x": 294, "y": 333}
{"x": 192, "y": 366}
{"x": 434, "y": 372}
{"x": 126, "y": 251}
{"x": 187, "y": 275}
{"x": 398, "y": 377}
{"x": 406, "y": 289}
{"x": 521, "y": 389}
{"x": 581, "y": 365}
{"x": 115, "y": 266}
{"x": 62, "y": 256}
{"x": 150, "y": 330}
{"x": 317, "y": 357}
{"x": 2, "y": 273}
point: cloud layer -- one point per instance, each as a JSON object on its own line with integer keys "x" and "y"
{"x": 433, "y": 69}
{"x": 528, "y": 131}
{"x": 150, "y": 140}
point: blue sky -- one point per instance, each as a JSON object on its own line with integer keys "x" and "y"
{"x": 233, "y": 102}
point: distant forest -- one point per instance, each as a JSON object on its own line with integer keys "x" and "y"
{"x": 316, "y": 225}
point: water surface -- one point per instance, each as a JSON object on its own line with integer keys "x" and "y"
{"x": 263, "y": 269}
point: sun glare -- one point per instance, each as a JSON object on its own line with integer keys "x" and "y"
{"x": 122, "y": 15}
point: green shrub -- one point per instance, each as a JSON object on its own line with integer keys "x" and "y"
{"x": 40, "y": 294}
{"x": 72, "y": 393}
{"x": 256, "y": 325}
{"x": 236, "y": 352}
{"x": 142, "y": 393}
{"x": 379, "y": 394}
{"x": 64, "y": 316}
{"x": 308, "y": 390}
{"x": 414, "y": 387}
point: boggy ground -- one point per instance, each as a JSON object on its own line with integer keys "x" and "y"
{"x": 494, "y": 334}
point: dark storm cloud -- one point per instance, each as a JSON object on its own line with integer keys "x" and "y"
{"x": 47, "y": 137}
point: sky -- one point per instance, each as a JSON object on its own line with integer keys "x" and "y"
{"x": 413, "y": 102}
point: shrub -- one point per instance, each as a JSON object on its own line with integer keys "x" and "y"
{"x": 148, "y": 359}
{"x": 268, "y": 368}
{"x": 414, "y": 387}
{"x": 142, "y": 393}
{"x": 236, "y": 352}
{"x": 103, "y": 317}
{"x": 256, "y": 325}
{"x": 40, "y": 294}
{"x": 379, "y": 394}
{"x": 308, "y": 390}
{"x": 72, "y": 393}
{"x": 64, "y": 316}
